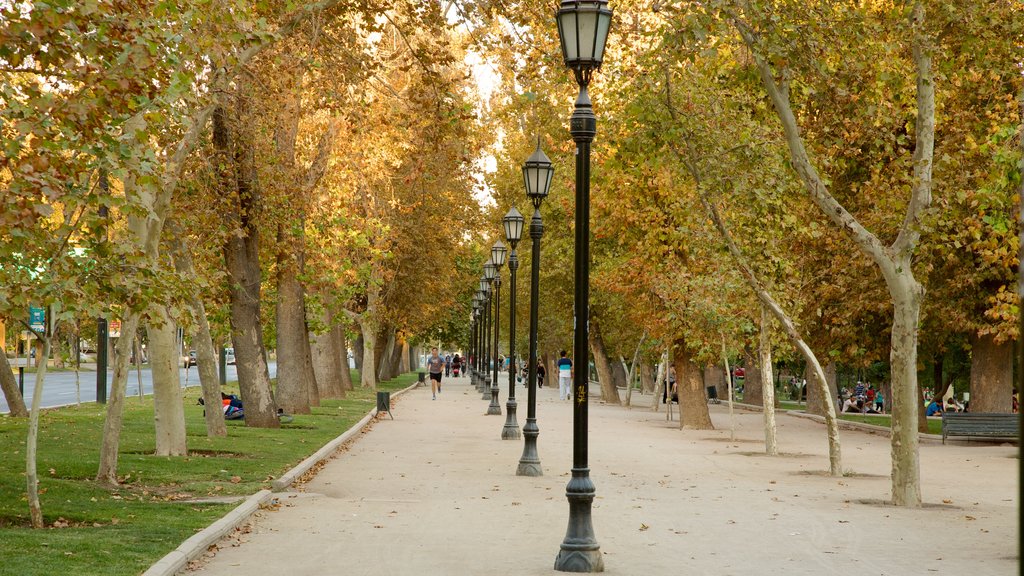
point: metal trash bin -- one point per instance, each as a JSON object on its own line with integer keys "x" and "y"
{"x": 712, "y": 395}
{"x": 423, "y": 377}
{"x": 384, "y": 402}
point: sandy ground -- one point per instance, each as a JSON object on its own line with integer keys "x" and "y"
{"x": 434, "y": 492}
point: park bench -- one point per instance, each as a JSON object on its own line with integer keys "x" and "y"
{"x": 980, "y": 425}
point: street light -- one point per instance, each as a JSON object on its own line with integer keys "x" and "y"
{"x": 513, "y": 223}
{"x": 537, "y": 173}
{"x": 481, "y": 300}
{"x": 498, "y": 252}
{"x": 583, "y": 30}
{"x": 468, "y": 362}
{"x": 485, "y": 340}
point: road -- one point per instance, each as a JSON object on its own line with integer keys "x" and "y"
{"x": 59, "y": 389}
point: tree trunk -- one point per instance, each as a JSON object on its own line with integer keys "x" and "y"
{"x": 341, "y": 341}
{"x": 358, "y": 352}
{"x": 906, "y": 465}
{"x": 168, "y": 406}
{"x": 328, "y": 360}
{"x": 397, "y": 352}
{"x": 9, "y": 384}
{"x": 107, "y": 472}
{"x": 609, "y": 393}
{"x": 753, "y": 393}
{"x": 618, "y": 373}
{"x": 647, "y": 376}
{"x": 405, "y": 358}
{"x": 385, "y": 354}
{"x": 727, "y": 374}
{"x": 367, "y": 376}
{"x": 815, "y": 391}
{"x": 991, "y": 375}
{"x": 312, "y": 389}
{"x": 660, "y": 382}
{"x": 693, "y": 405}
{"x": 242, "y": 261}
{"x": 206, "y": 353}
{"x": 32, "y": 440}
{"x": 764, "y": 357}
{"x": 292, "y": 384}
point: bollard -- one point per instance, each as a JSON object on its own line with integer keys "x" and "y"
{"x": 21, "y": 380}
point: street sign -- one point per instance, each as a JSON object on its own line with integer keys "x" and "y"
{"x": 114, "y": 329}
{"x": 37, "y": 318}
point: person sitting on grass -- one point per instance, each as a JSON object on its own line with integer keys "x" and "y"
{"x": 855, "y": 405}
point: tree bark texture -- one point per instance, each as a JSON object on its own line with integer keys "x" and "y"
{"x": 367, "y": 376}
{"x": 609, "y": 393}
{"x": 32, "y": 439}
{"x": 242, "y": 261}
{"x": 168, "y": 406}
{"x": 693, "y": 404}
{"x": 647, "y": 376}
{"x": 764, "y": 371}
{"x": 991, "y": 375}
{"x": 206, "y": 353}
{"x": 357, "y": 351}
{"x": 327, "y": 360}
{"x": 292, "y": 381}
{"x": 752, "y": 391}
{"x": 12, "y": 394}
{"x": 107, "y": 471}
{"x": 341, "y": 341}
{"x": 815, "y": 400}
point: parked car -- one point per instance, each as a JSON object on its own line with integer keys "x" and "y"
{"x": 229, "y": 355}
{"x": 192, "y": 360}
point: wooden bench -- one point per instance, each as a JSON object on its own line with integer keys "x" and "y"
{"x": 980, "y": 425}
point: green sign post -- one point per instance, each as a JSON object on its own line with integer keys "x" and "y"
{"x": 37, "y": 319}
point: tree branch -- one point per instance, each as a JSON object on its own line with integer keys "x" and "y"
{"x": 924, "y": 146}
{"x": 816, "y": 187}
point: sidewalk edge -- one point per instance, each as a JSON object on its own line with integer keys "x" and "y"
{"x": 178, "y": 559}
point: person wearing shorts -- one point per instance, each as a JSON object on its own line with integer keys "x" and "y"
{"x": 435, "y": 365}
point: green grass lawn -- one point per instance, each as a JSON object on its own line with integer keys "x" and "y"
{"x": 94, "y": 530}
{"x": 934, "y": 424}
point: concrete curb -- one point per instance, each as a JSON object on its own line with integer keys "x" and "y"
{"x": 861, "y": 427}
{"x": 192, "y": 548}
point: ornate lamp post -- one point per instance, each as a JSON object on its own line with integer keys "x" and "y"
{"x": 513, "y": 223}
{"x": 485, "y": 356}
{"x": 537, "y": 173}
{"x": 482, "y": 300}
{"x": 498, "y": 252}
{"x": 583, "y": 30}
{"x": 467, "y": 362}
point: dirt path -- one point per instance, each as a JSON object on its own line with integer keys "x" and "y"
{"x": 434, "y": 492}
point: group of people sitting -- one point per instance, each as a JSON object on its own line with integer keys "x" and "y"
{"x": 863, "y": 400}
{"x": 937, "y": 406}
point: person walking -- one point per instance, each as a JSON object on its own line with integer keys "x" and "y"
{"x": 565, "y": 373}
{"x": 447, "y": 365}
{"x": 435, "y": 364}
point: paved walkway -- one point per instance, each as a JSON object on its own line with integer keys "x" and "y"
{"x": 434, "y": 492}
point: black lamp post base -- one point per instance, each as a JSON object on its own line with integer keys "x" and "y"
{"x": 494, "y": 409}
{"x": 529, "y": 462}
{"x": 511, "y": 429}
{"x": 485, "y": 387}
{"x": 580, "y": 551}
